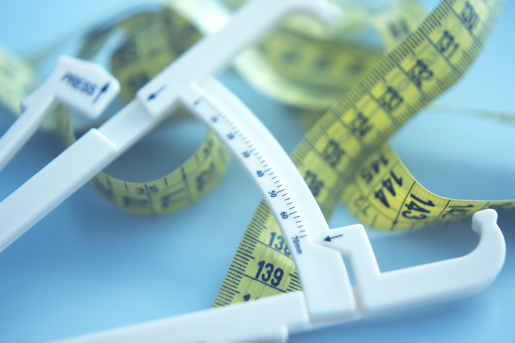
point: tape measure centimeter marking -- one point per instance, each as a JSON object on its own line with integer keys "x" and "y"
{"x": 424, "y": 65}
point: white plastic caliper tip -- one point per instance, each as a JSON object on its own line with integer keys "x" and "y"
{"x": 424, "y": 284}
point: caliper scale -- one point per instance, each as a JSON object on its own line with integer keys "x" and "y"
{"x": 328, "y": 296}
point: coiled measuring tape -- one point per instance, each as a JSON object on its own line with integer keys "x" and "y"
{"x": 344, "y": 155}
{"x": 375, "y": 184}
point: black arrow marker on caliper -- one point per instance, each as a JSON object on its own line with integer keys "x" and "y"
{"x": 328, "y": 239}
{"x": 155, "y": 94}
{"x": 102, "y": 91}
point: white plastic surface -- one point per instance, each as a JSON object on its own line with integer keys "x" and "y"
{"x": 264, "y": 320}
{"x": 84, "y": 86}
{"x": 23, "y": 128}
{"x": 424, "y": 284}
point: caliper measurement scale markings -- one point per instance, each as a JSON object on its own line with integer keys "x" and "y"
{"x": 282, "y": 188}
{"x": 256, "y": 163}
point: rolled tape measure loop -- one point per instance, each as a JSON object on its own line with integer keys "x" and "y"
{"x": 185, "y": 185}
{"x": 182, "y": 187}
{"x": 153, "y": 41}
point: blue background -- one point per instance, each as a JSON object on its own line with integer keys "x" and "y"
{"x": 88, "y": 266}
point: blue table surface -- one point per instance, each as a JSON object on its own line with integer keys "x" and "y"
{"x": 88, "y": 266}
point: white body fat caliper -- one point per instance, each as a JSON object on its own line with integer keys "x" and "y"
{"x": 328, "y": 296}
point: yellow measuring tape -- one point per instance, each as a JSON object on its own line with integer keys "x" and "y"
{"x": 345, "y": 156}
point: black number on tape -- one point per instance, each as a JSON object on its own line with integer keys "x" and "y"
{"x": 469, "y": 16}
{"x": 446, "y": 44}
{"x": 420, "y": 72}
{"x": 390, "y": 100}
{"x": 359, "y": 125}
{"x": 267, "y": 275}
{"x": 315, "y": 185}
{"x": 389, "y": 186}
{"x": 414, "y": 206}
{"x": 333, "y": 153}
{"x": 368, "y": 173}
{"x": 280, "y": 243}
